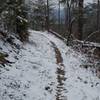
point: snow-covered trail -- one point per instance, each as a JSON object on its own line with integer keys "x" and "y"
{"x": 80, "y": 84}
{"x": 46, "y": 69}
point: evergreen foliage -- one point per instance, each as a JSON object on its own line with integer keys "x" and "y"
{"x": 14, "y": 18}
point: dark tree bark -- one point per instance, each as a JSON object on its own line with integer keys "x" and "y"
{"x": 59, "y": 18}
{"x": 80, "y": 19}
{"x": 98, "y": 14}
{"x": 47, "y": 17}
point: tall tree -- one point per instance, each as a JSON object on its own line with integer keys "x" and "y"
{"x": 69, "y": 18}
{"x": 98, "y": 14}
{"x": 47, "y": 16}
{"x": 59, "y": 15}
{"x": 80, "y": 19}
{"x": 14, "y": 18}
{"x": 21, "y": 20}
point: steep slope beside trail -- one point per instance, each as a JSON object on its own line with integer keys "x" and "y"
{"x": 46, "y": 69}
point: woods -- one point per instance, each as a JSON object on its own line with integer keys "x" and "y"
{"x": 70, "y": 18}
{"x": 14, "y": 18}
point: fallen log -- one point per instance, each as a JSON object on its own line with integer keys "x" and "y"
{"x": 58, "y": 35}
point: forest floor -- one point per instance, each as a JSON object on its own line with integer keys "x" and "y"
{"x": 46, "y": 69}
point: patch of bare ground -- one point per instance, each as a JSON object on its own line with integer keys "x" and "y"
{"x": 60, "y": 74}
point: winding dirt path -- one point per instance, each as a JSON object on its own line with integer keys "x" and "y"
{"x": 60, "y": 74}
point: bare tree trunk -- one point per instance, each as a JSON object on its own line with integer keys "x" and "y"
{"x": 47, "y": 17}
{"x": 59, "y": 18}
{"x": 98, "y": 13}
{"x": 80, "y": 19}
{"x": 66, "y": 18}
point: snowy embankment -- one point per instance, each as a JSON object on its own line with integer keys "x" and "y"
{"x": 46, "y": 69}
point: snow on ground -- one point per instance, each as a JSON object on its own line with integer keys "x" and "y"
{"x": 33, "y": 75}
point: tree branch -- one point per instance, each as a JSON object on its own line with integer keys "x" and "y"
{"x": 89, "y": 36}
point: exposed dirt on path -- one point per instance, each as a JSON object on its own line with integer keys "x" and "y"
{"x": 60, "y": 88}
{"x": 60, "y": 74}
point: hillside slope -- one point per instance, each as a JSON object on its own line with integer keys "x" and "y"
{"x": 46, "y": 69}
